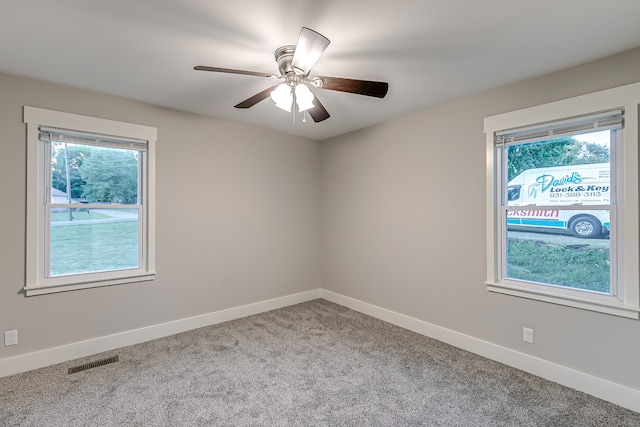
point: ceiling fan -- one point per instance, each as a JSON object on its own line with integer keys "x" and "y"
{"x": 294, "y": 63}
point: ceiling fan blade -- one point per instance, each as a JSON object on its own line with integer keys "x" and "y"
{"x": 360, "y": 87}
{"x": 309, "y": 48}
{"x": 232, "y": 71}
{"x": 318, "y": 113}
{"x": 260, "y": 96}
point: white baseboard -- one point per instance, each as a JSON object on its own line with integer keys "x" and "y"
{"x": 52, "y": 356}
{"x": 603, "y": 389}
{"x": 598, "y": 387}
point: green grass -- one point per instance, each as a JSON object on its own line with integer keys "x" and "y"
{"x": 94, "y": 247}
{"x": 577, "y": 267}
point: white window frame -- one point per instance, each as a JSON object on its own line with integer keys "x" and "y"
{"x": 625, "y": 301}
{"x": 37, "y": 282}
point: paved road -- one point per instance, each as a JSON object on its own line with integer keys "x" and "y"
{"x": 117, "y": 215}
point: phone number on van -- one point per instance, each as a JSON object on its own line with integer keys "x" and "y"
{"x": 587, "y": 194}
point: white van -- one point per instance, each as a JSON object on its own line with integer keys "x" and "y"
{"x": 561, "y": 186}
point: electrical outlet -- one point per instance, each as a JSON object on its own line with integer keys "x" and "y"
{"x": 527, "y": 335}
{"x": 10, "y": 338}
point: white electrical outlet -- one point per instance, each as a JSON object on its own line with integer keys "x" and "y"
{"x": 527, "y": 335}
{"x": 10, "y": 338}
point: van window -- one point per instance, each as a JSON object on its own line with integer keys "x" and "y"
{"x": 513, "y": 192}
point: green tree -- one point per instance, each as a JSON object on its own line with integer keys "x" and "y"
{"x": 110, "y": 175}
{"x": 594, "y": 153}
{"x": 555, "y": 152}
{"x": 76, "y": 155}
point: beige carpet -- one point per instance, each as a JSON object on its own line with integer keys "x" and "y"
{"x": 312, "y": 364}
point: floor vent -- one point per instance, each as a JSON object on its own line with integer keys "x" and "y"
{"x": 93, "y": 364}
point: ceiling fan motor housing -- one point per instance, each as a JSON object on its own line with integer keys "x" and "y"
{"x": 284, "y": 56}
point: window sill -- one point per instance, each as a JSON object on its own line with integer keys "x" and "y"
{"x": 608, "y": 307}
{"x": 50, "y": 289}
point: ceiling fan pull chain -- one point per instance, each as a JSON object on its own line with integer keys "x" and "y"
{"x": 293, "y": 105}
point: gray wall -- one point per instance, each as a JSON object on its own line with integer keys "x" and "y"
{"x": 237, "y": 221}
{"x": 404, "y": 226}
{"x": 393, "y": 215}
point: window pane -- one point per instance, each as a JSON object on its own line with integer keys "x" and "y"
{"x": 559, "y": 259}
{"x": 561, "y": 172}
{"x": 93, "y": 174}
{"x": 93, "y": 240}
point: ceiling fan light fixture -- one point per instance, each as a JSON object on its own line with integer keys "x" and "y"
{"x": 282, "y": 97}
{"x": 304, "y": 97}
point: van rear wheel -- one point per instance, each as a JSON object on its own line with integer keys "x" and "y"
{"x": 585, "y": 227}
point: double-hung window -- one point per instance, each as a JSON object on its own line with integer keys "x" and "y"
{"x": 90, "y": 202}
{"x": 562, "y": 202}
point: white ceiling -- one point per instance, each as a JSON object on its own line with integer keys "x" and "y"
{"x": 430, "y": 51}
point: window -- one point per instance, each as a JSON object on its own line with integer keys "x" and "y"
{"x": 90, "y": 202}
{"x": 562, "y": 202}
